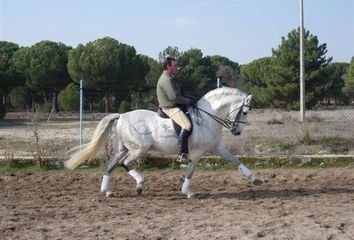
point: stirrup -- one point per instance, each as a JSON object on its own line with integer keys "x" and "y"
{"x": 182, "y": 158}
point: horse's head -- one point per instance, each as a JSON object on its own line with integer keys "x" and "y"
{"x": 230, "y": 107}
{"x": 241, "y": 115}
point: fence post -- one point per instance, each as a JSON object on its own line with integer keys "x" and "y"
{"x": 81, "y": 103}
{"x": 302, "y": 64}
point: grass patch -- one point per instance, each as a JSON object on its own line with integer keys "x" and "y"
{"x": 210, "y": 163}
{"x": 310, "y": 146}
{"x": 274, "y": 121}
{"x": 335, "y": 145}
{"x": 27, "y": 167}
{"x": 299, "y": 162}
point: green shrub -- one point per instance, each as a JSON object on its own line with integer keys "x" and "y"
{"x": 20, "y": 96}
{"x": 123, "y": 107}
{"x": 69, "y": 98}
{"x": 45, "y": 107}
{"x": 100, "y": 106}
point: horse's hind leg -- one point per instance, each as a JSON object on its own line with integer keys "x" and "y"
{"x": 110, "y": 166}
{"x": 125, "y": 158}
{"x": 128, "y": 163}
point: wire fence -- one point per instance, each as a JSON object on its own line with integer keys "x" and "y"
{"x": 272, "y": 132}
{"x": 268, "y": 133}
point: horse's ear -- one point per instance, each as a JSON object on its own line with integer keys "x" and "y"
{"x": 248, "y": 100}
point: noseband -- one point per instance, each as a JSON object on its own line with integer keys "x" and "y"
{"x": 231, "y": 125}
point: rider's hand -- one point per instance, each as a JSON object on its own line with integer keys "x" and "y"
{"x": 193, "y": 101}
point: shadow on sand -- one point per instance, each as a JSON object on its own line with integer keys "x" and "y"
{"x": 281, "y": 193}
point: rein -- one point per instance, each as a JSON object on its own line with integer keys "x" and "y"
{"x": 225, "y": 122}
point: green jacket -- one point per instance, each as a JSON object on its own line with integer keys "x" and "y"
{"x": 169, "y": 92}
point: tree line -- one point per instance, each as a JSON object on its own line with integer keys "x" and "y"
{"x": 116, "y": 78}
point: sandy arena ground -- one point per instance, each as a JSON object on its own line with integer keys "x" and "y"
{"x": 291, "y": 204}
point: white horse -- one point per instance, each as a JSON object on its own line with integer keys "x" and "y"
{"x": 140, "y": 131}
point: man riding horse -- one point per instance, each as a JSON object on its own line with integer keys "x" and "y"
{"x": 141, "y": 131}
{"x": 172, "y": 102}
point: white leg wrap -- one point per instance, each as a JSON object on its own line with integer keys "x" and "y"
{"x": 253, "y": 178}
{"x": 185, "y": 188}
{"x": 139, "y": 179}
{"x": 105, "y": 183}
{"x": 245, "y": 170}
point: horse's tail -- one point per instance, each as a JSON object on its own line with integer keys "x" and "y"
{"x": 91, "y": 148}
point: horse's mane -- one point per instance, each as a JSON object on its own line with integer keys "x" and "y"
{"x": 223, "y": 92}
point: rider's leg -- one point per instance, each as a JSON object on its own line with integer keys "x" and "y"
{"x": 183, "y": 146}
{"x": 177, "y": 115}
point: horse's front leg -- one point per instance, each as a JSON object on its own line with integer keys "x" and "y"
{"x": 187, "y": 179}
{"x": 190, "y": 171}
{"x": 247, "y": 172}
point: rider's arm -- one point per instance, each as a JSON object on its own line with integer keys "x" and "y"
{"x": 173, "y": 92}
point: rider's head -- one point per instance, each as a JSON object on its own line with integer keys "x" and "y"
{"x": 170, "y": 65}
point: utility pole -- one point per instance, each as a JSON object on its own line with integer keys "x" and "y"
{"x": 302, "y": 64}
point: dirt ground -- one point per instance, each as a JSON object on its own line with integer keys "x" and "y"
{"x": 291, "y": 204}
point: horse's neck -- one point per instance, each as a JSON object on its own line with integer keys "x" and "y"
{"x": 218, "y": 109}
{"x": 220, "y": 102}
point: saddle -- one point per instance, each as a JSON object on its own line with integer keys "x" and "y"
{"x": 176, "y": 127}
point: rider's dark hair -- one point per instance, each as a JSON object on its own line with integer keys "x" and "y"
{"x": 167, "y": 62}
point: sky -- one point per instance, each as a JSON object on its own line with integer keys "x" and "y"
{"x": 241, "y": 30}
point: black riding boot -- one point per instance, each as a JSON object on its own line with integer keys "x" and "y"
{"x": 183, "y": 146}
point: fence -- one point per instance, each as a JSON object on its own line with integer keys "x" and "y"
{"x": 268, "y": 133}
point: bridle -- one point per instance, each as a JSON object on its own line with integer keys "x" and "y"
{"x": 231, "y": 125}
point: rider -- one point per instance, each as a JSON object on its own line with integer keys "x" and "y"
{"x": 171, "y": 100}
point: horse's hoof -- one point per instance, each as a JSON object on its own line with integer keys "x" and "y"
{"x": 140, "y": 188}
{"x": 109, "y": 194}
{"x": 190, "y": 195}
{"x": 257, "y": 181}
